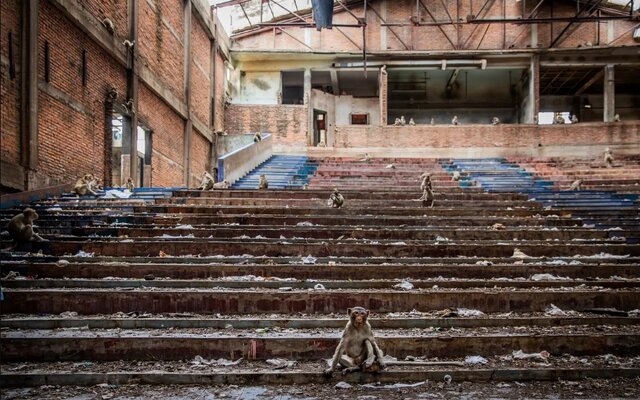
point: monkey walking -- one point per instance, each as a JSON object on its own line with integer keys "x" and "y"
{"x": 206, "y": 183}
{"x": 576, "y": 185}
{"x": 84, "y": 185}
{"x": 21, "y": 227}
{"x": 263, "y": 184}
{"x": 336, "y": 200}
{"x": 257, "y": 137}
{"x": 357, "y": 350}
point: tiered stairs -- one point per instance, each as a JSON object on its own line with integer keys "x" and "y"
{"x": 282, "y": 172}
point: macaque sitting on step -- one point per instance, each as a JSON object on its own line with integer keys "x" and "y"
{"x": 129, "y": 185}
{"x": 357, "y": 350}
{"x": 263, "y": 184}
{"x": 336, "y": 200}
{"x": 84, "y": 185}
{"x": 206, "y": 183}
{"x": 222, "y": 185}
{"x": 608, "y": 157}
{"x": 21, "y": 227}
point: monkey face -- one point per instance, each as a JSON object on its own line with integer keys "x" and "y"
{"x": 358, "y": 315}
{"x": 30, "y": 214}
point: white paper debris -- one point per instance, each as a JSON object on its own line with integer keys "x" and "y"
{"x": 319, "y": 286}
{"x": 466, "y": 312}
{"x": 184, "y": 227}
{"x": 548, "y": 277}
{"x": 517, "y": 253}
{"x": 281, "y": 363}
{"x": 520, "y": 355}
{"x": 554, "y": 310}
{"x": 404, "y": 285}
{"x": 309, "y": 259}
{"x": 198, "y": 361}
{"x": 304, "y": 223}
{"x": 82, "y": 253}
{"x": 393, "y": 386}
{"x": 343, "y": 385}
{"x": 117, "y": 194}
{"x": 474, "y": 360}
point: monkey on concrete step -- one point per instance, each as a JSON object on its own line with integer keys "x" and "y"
{"x": 263, "y": 184}
{"x": 608, "y": 157}
{"x": 206, "y": 183}
{"x": 427, "y": 191}
{"x": 84, "y": 185}
{"x": 357, "y": 350}
{"x": 222, "y": 185}
{"x": 129, "y": 185}
{"x": 336, "y": 200}
{"x": 21, "y": 227}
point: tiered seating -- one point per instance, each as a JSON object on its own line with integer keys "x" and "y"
{"x": 282, "y": 172}
{"x": 157, "y": 291}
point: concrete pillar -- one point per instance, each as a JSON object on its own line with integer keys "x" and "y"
{"x": 307, "y": 102}
{"x": 609, "y": 93}
{"x": 188, "y": 126}
{"x": 383, "y": 92}
{"x": 533, "y": 105}
{"x": 132, "y": 92}
{"x": 29, "y": 89}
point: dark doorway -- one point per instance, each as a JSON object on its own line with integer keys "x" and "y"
{"x": 319, "y": 128}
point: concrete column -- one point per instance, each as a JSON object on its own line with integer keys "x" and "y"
{"x": 29, "y": 88}
{"x": 533, "y": 105}
{"x": 609, "y": 93}
{"x": 383, "y": 93}
{"x": 307, "y": 102}
{"x": 188, "y": 126}
{"x": 132, "y": 92}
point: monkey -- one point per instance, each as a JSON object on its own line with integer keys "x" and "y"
{"x": 558, "y": 119}
{"x": 576, "y": 185}
{"x": 454, "y": 120}
{"x": 456, "y": 176}
{"x": 366, "y": 158}
{"x": 573, "y": 118}
{"x": 433, "y": 121}
{"x": 207, "y": 181}
{"x": 263, "y": 184}
{"x": 221, "y": 185}
{"x": 97, "y": 184}
{"x": 107, "y": 23}
{"x": 495, "y": 121}
{"x": 129, "y": 185}
{"x": 608, "y": 157}
{"x": 257, "y": 137}
{"x": 397, "y": 122}
{"x": 83, "y": 185}
{"x": 403, "y": 121}
{"x": 357, "y": 350}
{"x": 427, "y": 191}
{"x": 112, "y": 95}
{"x": 411, "y": 122}
{"x": 336, "y": 200}
{"x": 21, "y": 227}
{"x": 616, "y": 118}
{"x": 128, "y": 44}
{"x": 129, "y": 106}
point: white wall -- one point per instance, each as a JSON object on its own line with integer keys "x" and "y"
{"x": 346, "y": 105}
{"x": 258, "y": 88}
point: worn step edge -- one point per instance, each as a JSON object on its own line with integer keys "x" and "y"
{"x": 305, "y": 378}
{"x": 242, "y": 323}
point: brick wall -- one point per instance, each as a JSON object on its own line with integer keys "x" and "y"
{"x": 200, "y": 156}
{"x": 115, "y": 10}
{"x": 445, "y": 37}
{"x": 487, "y": 135}
{"x": 10, "y": 87}
{"x": 288, "y": 123}
{"x": 167, "y": 136}
{"x": 218, "y": 123}
{"x": 200, "y": 72}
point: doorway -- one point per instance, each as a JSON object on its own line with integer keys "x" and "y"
{"x": 319, "y": 128}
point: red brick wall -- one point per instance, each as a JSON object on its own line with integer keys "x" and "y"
{"x": 200, "y": 156}
{"x": 288, "y": 123}
{"x": 220, "y": 85}
{"x": 71, "y": 130}
{"x": 158, "y": 45}
{"x": 472, "y": 36}
{"x": 168, "y": 131}
{"x": 486, "y": 135}
{"x": 115, "y": 10}
{"x": 10, "y": 88}
{"x": 200, "y": 72}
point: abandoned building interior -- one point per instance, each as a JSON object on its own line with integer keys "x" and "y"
{"x": 204, "y": 192}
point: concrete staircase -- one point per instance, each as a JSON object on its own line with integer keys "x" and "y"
{"x": 157, "y": 290}
{"x": 282, "y": 172}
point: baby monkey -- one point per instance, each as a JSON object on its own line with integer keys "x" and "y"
{"x": 21, "y": 227}
{"x": 263, "y": 184}
{"x": 357, "y": 350}
{"x": 207, "y": 181}
{"x": 336, "y": 200}
{"x": 84, "y": 185}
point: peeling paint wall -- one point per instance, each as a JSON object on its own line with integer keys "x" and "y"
{"x": 258, "y": 88}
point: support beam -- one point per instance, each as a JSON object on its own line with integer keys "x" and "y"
{"x": 307, "y": 102}
{"x": 533, "y": 107}
{"x": 609, "y": 93}
{"x": 29, "y": 88}
{"x": 595, "y": 78}
{"x": 383, "y": 90}
{"x": 188, "y": 126}
{"x": 335, "y": 83}
{"x": 132, "y": 91}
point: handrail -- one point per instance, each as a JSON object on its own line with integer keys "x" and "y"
{"x": 236, "y": 164}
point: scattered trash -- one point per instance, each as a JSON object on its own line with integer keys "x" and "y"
{"x": 69, "y": 314}
{"x": 553, "y": 310}
{"x": 520, "y": 355}
{"x": 497, "y": 227}
{"x": 198, "y": 361}
{"x": 11, "y": 275}
{"x": 342, "y": 385}
{"x": 54, "y": 208}
{"x": 484, "y": 263}
{"x": 184, "y": 227}
{"x": 398, "y": 243}
{"x": 309, "y": 260}
{"x": 163, "y": 254}
{"x": 319, "y": 286}
{"x": 441, "y": 239}
{"x": 117, "y": 194}
{"x": 393, "y": 386}
{"x": 519, "y": 254}
{"x": 404, "y": 285}
{"x": 548, "y": 277}
{"x": 304, "y": 223}
{"x": 634, "y": 313}
{"x": 447, "y": 379}
{"x": 281, "y": 363}
{"x": 285, "y": 288}
{"x": 466, "y": 312}
{"x": 82, "y": 253}
{"x": 607, "y": 311}
{"x": 474, "y": 360}
{"x": 149, "y": 277}
{"x": 447, "y": 313}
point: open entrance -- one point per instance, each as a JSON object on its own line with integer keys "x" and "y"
{"x": 319, "y": 128}
{"x": 436, "y": 96}
{"x": 144, "y": 156}
{"x": 120, "y": 157}
{"x": 292, "y": 87}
